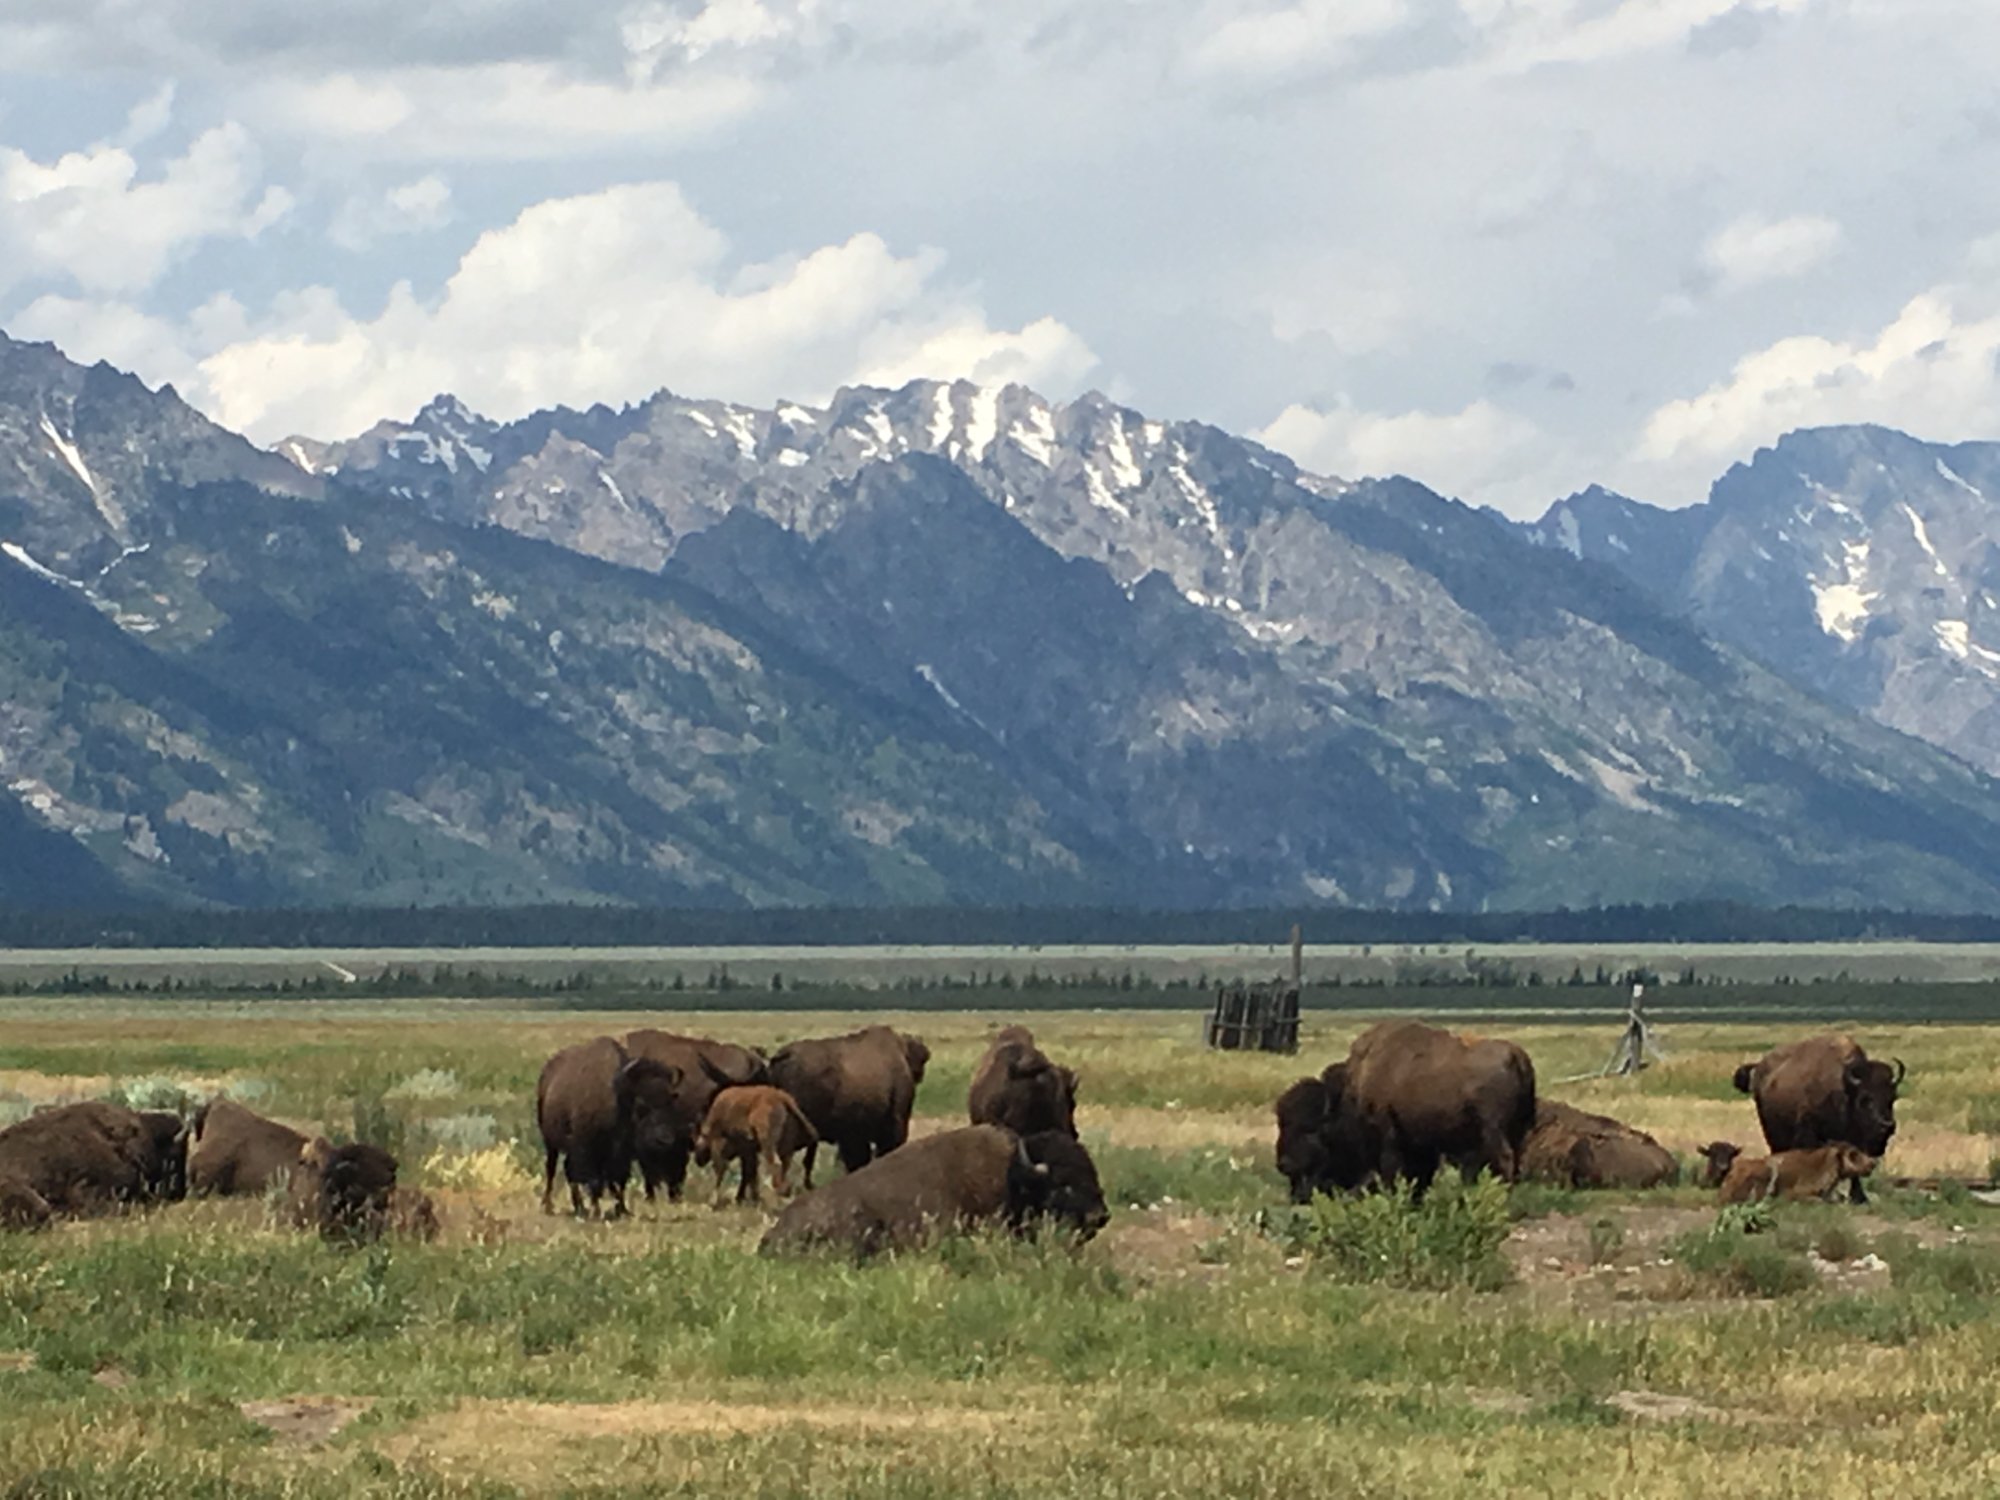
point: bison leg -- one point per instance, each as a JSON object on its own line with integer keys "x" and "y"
{"x": 812, "y": 1156}
{"x": 855, "y": 1150}
{"x": 721, "y": 1166}
{"x": 576, "y": 1207}
{"x": 675, "y": 1168}
{"x": 774, "y": 1162}
{"x": 549, "y": 1181}
{"x": 747, "y": 1190}
{"x": 1854, "y": 1192}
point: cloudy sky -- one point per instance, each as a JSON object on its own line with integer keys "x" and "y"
{"x": 1510, "y": 247}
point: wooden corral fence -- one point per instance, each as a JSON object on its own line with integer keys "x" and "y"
{"x": 1259, "y": 1017}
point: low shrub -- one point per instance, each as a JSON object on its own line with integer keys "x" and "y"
{"x": 154, "y": 1093}
{"x": 1731, "y": 1256}
{"x": 1451, "y": 1238}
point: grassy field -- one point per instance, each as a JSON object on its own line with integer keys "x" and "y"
{"x": 1210, "y": 1342}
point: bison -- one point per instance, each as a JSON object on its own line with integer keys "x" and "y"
{"x": 857, "y": 1090}
{"x": 1580, "y": 1150}
{"x": 81, "y": 1158}
{"x": 1422, "y": 1097}
{"x": 750, "y": 1124}
{"x": 700, "y": 1068}
{"x": 597, "y": 1106}
{"x": 1016, "y": 1086}
{"x": 1813, "y": 1173}
{"x": 342, "y": 1191}
{"x": 237, "y": 1152}
{"x": 1824, "y": 1091}
{"x": 958, "y": 1179}
{"x": 1717, "y": 1158}
{"x": 1320, "y": 1145}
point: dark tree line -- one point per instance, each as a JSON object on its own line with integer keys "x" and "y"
{"x": 623, "y": 926}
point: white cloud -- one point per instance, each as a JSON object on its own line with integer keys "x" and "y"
{"x": 1755, "y": 249}
{"x": 1482, "y": 453}
{"x": 1931, "y": 371}
{"x": 412, "y": 207}
{"x": 501, "y": 111}
{"x": 1261, "y": 40}
{"x": 602, "y": 297}
{"x": 87, "y": 218}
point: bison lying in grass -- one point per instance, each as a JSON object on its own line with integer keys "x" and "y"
{"x": 959, "y": 1179}
{"x": 1581, "y": 1150}
{"x": 1817, "y": 1173}
{"x": 238, "y": 1153}
{"x": 90, "y": 1157}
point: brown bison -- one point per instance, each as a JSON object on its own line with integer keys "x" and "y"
{"x": 701, "y": 1068}
{"x": 752, "y": 1124}
{"x": 21, "y": 1207}
{"x": 857, "y": 1090}
{"x": 237, "y": 1152}
{"x": 1815, "y": 1173}
{"x": 1016, "y": 1087}
{"x": 1581, "y": 1150}
{"x": 1717, "y": 1158}
{"x": 958, "y": 1179}
{"x": 1824, "y": 1091}
{"x": 1320, "y": 1145}
{"x": 343, "y": 1191}
{"x": 1423, "y": 1097}
{"x": 597, "y": 1106}
{"x": 86, "y": 1157}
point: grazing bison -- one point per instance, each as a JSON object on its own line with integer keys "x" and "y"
{"x": 1423, "y": 1096}
{"x": 1718, "y": 1157}
{"x": 1824, "y": 1091}
{"x": 1581, "y": 1150}
{"x": 237, "y": 1152}
{"x": 1320, "y": 1145}
{"x": 701, "y": 1068}
{"x": 21, "y": 1207}
{"x": 958, "y": 1179}
{"x": 82, "y": 1158}
{"x": 857, "y": 1090}
{"x": 750, "y": 1124}
{"x": 1814, "y": 1173}
{"x": 1016, "y": 1087}
{"x": 343, "y": 1191}
{"x": 597, "y": 1106}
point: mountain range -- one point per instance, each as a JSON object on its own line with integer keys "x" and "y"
{"x": 960, "y": 645}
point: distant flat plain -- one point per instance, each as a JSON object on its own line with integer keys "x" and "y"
{"x": 873, "y": 967}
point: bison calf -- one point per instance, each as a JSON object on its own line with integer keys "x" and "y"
{"x": 1718, "y": 1157}
{"x": 954, "y": 1180}
{"x": 1795, "y": 1175}
{"x": 750, "y": 1125}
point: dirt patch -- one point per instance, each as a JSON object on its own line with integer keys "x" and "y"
{"x": 17, "y": 1361}
{"x": 1174, "y": 1244}
{"x": 1656, "y": 1406}
{"x": 111, "y": 1378}
{"x": 305, "y": 1420}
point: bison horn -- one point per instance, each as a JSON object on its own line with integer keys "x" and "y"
{"x": 1899, "y": 1070}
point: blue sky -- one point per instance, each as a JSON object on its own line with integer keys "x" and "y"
{"x": 1509, "y": 247}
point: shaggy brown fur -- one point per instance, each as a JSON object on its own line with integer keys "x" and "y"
{"x": 1423, "y": 1096}
{"x": 237, "y": 1152}
{"x": 750, "y": 1125}
{"x": 857, "y": 1090}
{"x": 1718, "y": 1156}
{"x": 1018, "y": 1087}
{"x": 1580, "y": 1150}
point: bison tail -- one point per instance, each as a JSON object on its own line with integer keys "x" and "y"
{"x": 1746, "y": 1078}
{"x": 806, "y": 1131}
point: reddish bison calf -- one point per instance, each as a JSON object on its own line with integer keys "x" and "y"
{"x": 955, "y": 1180}
{"x": 1816, "y": 1173}
{"x": 751, "y": 1125}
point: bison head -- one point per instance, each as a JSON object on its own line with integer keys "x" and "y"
{"x": 917, "y": 1055}
{"x": 1319, "y": 1150}
{"x": 1745, "y": 1079}
{"x": 1053, "y": 1177}
{"x": 1871, "y": 1102}
{"x": 1720, "y": 1155}
{"x": 649, "y": 1100}
{"x": 344, "y": 1191}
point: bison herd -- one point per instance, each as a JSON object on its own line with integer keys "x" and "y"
{"x": 656, "y": 1101}
{"x": 1409, "y": 1098}
{"x": 1406, "y": 1101}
